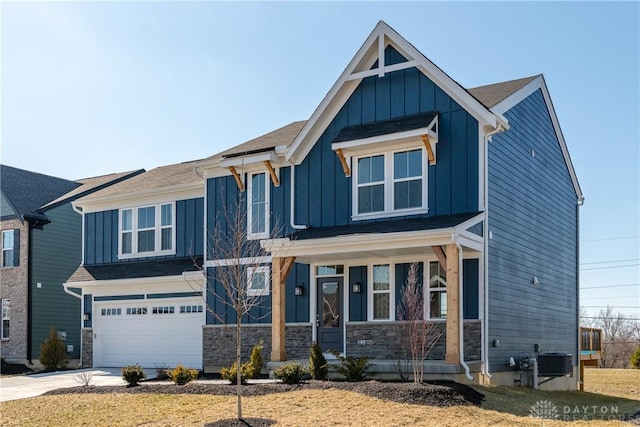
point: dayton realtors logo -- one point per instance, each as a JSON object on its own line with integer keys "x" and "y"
{"x": 547, "y": 410}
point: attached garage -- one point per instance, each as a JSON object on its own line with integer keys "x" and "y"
{"x": 151, "y": 332}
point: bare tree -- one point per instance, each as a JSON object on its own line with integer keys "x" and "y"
{"x": 418, "y": 335}
{"x": 620, "y": 337}
{"x": 237, "y": 285}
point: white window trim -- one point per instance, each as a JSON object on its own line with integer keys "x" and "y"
{"x": 388, "y": 185}
{"x": 157, "y": 231}
{"x": 251, "y": 271}
{"x": 392, "y": 291}
{"x": 6, "y": 315}
{"x": 427, "y": 291}
{"x": 7, "y": 249}
{"x": 267, "y": 197}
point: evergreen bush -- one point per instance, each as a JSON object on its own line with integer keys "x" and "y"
{"x": 318, "y": 366}
{"x": 635, "y": 358}
{"x": 53, "y": 354}
{"x": 133, "y": 374}
{"x": 290, "y": 373}
{"x": 353, "y": 368}
{"x": 181, "y": 375}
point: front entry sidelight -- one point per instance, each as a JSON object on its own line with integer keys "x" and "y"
{"x": 329, "y": 319}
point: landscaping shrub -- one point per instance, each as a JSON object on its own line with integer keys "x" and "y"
{"x": 318, "y": 367}
{"x": 133, "y": 374}
{"x": 254, "y": 366}
{"x": 181, "y": 375}
{"x": 231, "y": 373}
{"x": 635, "y": 358}
{"x": 162, "y": 372}
{"x": 53, "y": 354}
{"x": 250, "y": 369}
{"x": 290, "y": 373}
{"x": 353, "y": 368}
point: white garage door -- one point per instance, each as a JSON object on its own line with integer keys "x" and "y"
{"x": 158, "y": 333}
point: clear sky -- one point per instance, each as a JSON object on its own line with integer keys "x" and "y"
{"x": 91, "y": 88}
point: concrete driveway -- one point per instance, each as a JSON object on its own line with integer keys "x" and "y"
{"x": 22, "y": 386}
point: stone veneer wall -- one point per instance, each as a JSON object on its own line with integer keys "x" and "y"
{"x": 14, "y": 288}
{"x": 384, "y": 340}
{"x": 87, "y": 348}
{"x": 219, "y": 343}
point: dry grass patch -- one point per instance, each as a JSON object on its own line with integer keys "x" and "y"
{"x": 614, "y": 382}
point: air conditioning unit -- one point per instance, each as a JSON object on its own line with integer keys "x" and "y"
{"x": 555, "y": 365}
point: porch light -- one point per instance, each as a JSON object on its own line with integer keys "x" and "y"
{"x": 356, "y": 288}
{"x": 299, "y": 291}
{"x": 86, "y": 316}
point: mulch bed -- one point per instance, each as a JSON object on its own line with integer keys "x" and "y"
{"x": 441, "y": 394}
{"x": 14, "y": 369}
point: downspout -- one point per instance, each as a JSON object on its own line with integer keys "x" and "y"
{"x": 29, "y": 291}
{"x": 79, "y": 210}
{"x": 293, "y": 199}
{"x": 70, "y": 292}
{"x": 485, "y": 347}
{"x": 461, "y": 310}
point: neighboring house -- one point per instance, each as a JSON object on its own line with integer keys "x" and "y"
{"x": 400, "y": 164}
{"x": 41, "y": 247}
{"x": 141, "y": 287}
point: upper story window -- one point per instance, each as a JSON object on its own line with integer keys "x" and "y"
{"x": 11, "y": 248}
{"x": 258, "y": 206}
{"x": 147, "y": 230}
{"x": 390, "y": 184}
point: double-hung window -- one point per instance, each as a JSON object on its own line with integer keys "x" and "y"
{"x": 437, "y": 291}
{"x": 258, "y": 206}
{"x": 10, "y": 248}
{"x": 382, "y": 307}
{"x": 390, "y": 184}
{"x": 147, "y": 230}
{"x": 6, "y": 305}
{"x": 258, "y": 281}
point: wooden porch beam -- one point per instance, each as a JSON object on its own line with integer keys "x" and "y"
{"x": 452, "y": 349}
{"x": 343, "y": 160}
{"x": 442, "y": 257}
{"x": 430, "y": 153}
{"x": 234, "y": 172}
{"x": 280, "y": 267}
{"x": 272, "y": 172}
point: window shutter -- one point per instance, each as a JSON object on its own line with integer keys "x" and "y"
{"x": 16, "y": 247}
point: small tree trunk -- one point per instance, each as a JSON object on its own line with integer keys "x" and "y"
{"x": 238, "y": 363}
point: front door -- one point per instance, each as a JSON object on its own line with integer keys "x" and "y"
{"x": 329, "y": 313}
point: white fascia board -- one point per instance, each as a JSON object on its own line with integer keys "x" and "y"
{"x": 364, "y": 58}
{"x": 358, "y": 242}
{"x": 151, "y": 196}
{"x": 470, "y": 222}
{"x": 237, "y": 261}
{"x": 397, "y": 138}
{"x": 245, "y": 161}
{"x": 520, "y": 95}
{"x": 188, "y": 281}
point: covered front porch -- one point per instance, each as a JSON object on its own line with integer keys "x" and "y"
{"x": 355, "y": 281}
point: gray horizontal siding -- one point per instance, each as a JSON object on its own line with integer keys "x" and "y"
{"x": 533, "y": 221}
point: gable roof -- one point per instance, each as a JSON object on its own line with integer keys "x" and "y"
{"x": 179, "y": 175}
{"x": 89, "y": 185}
{"x": 492, "y": 94}
{"x": 372, "y": 52}
{"x": 27, "y": 191}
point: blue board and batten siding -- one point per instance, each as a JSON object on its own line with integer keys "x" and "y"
{"x": 101, "y": 234}
{"x": 323, "y": 195}
{"x": 533, "y": 221}
{"x": 452, "y": 182}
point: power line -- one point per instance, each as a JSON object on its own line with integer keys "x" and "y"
{"x": 610, "y": 238}
{"x": 609, "y": 297}
{"x": 609, "y": 286}
{"x": 609, "y": 262}
{"x": 615, "y": 306}
{"x": 611, "y": 266}
{"x": 610, "y": 318}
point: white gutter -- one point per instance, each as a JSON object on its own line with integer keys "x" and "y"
{"x": 461, "y": 310}
{"x": 70, "y": 292}
{"x": 485, "y": 316}
{"x": 293, "y": 198}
